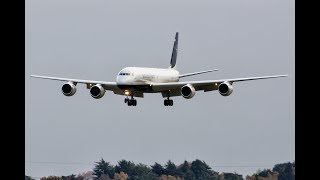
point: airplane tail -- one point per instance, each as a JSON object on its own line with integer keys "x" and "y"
{"x": 174, "y": 52}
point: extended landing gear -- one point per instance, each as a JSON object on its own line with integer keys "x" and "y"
{"x": 168, "y": 102}
{"x": 130, "y": 102}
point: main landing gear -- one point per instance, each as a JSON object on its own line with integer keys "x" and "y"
{"x": 168, "y": 102}
{"x": 130, "y": 102}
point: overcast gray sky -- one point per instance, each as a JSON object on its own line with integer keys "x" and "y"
{"x": 94, "y": 39}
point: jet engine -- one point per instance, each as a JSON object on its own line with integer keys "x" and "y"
{"x": 97, "y": 91}
{"x": 225, "y": 88}
{"x": 69, "y": 89}
{"x": 188, "y": 91}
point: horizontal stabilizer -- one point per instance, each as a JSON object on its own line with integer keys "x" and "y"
{"x": 196, "y": 73}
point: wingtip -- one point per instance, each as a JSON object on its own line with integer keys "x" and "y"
{"x": 35, "y": 76}
{"x": 211, "y": 70}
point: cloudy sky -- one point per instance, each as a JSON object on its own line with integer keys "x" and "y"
{"x": 250, "y": 129}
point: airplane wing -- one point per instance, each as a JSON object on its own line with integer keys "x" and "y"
{"x": 207, "y": 85}
{"x": 196, "y": 73}
{"x": 112, "y": 86}
{"x": 174, "y": 87}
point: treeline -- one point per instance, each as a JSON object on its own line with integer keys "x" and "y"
{"x": 187, "y": 170}
{"x": 195, "y": 170}
{"x": 284, "y": 171}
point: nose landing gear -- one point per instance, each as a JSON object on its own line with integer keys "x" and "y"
{"x": 130, "y": 102}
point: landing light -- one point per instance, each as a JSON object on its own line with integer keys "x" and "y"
{"x": 126, "y": 92}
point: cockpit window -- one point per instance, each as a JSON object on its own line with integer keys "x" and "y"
{"x": 124, "y": 74}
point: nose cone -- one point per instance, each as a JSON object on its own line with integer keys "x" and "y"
{"x": 124, "y": 76}
{"x": 121, "y": 80}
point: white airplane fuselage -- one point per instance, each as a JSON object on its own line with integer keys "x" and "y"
{"x": 140, "y": 76}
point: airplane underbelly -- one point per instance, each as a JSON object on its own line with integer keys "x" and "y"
{"x": 141, "y": 88}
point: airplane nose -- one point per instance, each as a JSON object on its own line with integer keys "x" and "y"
{"x": 121, "y": 80}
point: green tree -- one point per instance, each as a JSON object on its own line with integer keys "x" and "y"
{"x": 51, "y": 178}
{"x": 158, "y": 169}
{"x": 71, "y": 177}
{"x": 232, "y": 176}
{"x": 103, "y": 167}
{"x": 286, "y": 171}
{"x": 184, "y": 170}
{"x": 28, "y": 178}
{"x": 201, "y": 170}
{"x": 143, "y": 172}
{"x": 170, "y": 168}
{"x": 126, "y": 167}
{"x": 264, "y": 173}
{"x": 169, "y": 177}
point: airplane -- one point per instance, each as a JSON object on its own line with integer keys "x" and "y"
{"x": 135, "y": 81}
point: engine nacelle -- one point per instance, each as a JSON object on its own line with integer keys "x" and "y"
{"x": 69, "y": 89}
{"x": 97, "y": 91}
{"x": 225, "y": 89}
{"x": 188, "y": 91}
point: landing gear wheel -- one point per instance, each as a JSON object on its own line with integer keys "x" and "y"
{"x": 126, "y": 100}
{"x": 171, "y": 102}
{"x": 168, "y": 102}
{"x": 132, "y": 102}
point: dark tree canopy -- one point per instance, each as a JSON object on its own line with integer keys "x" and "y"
{"x": 232, "y": 176}
{"x": 143, "y": 172}
{"x": 103, "y": 167}
{"x": 158, "y": 169}
{"x": 184, "y": 170}
{"x": 28, "y": 178}
{"x": 286, "y": 171}
{"x": 127, "y": 167}
{"x": 195, "y": 170}
{"x": 201, "y": 170}
{"x": 265, "y": 173}
{"x": 171, "y": 168}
